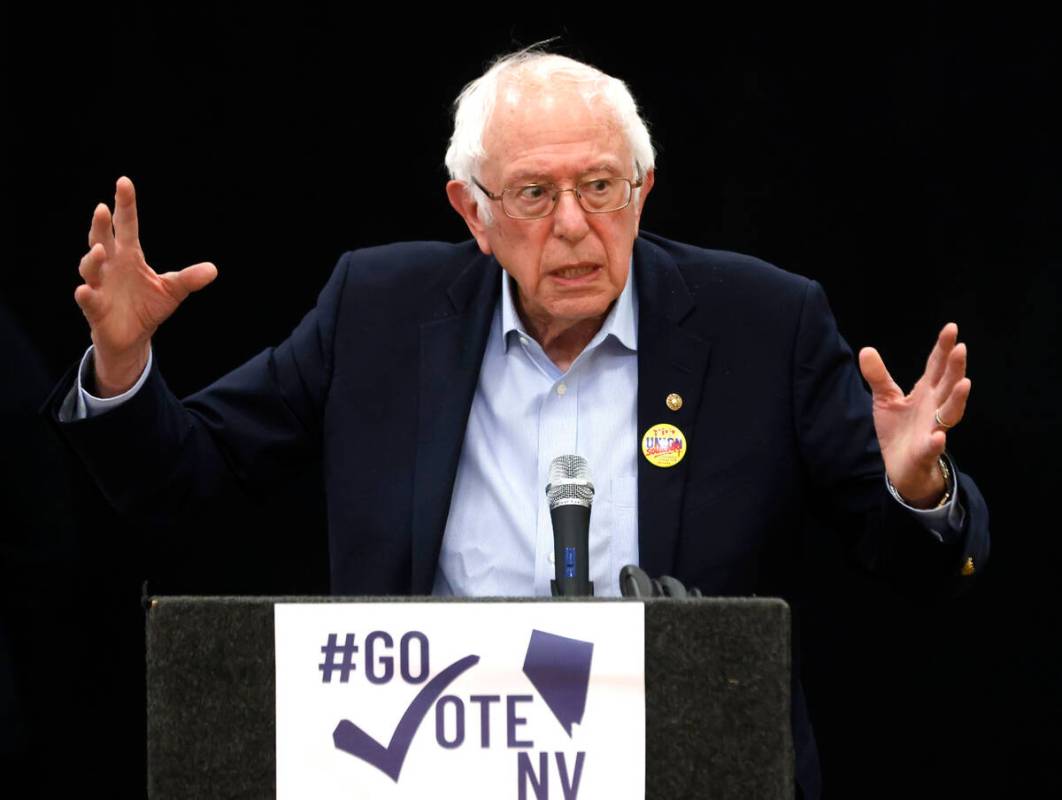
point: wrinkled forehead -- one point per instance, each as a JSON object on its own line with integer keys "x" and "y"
{"x": 554, "y": 120}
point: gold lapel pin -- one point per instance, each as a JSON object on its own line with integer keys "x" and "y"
{"x": 674, "y": 401}
{"x": 968, "y": 567}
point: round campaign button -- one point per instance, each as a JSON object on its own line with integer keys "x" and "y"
{"x": 664, "y": 445}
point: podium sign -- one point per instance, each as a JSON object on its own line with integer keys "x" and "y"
{"x": 431, "y": 700}
{"x": 717, "y": 715}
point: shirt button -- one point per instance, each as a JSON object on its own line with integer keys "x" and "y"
{"x": 552, "y": 557}
{"x": 523, "y": 341}
{"x": 561, "y": 389}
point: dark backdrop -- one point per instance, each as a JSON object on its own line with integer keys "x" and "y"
{"x": 909, "y": 163}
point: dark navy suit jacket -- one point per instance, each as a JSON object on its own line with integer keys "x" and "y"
{"x": 378, "y": 380}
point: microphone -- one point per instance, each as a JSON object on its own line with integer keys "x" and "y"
{"x": 570, "y": 494}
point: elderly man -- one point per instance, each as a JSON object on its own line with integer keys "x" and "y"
{"x": 559, "y": 329}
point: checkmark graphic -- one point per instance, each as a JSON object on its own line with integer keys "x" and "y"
{"x": 349, "y": 738}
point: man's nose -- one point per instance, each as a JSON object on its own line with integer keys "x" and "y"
{"x": 569, "y": 217}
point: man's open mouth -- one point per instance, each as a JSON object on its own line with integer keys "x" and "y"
{"x": 576, "y": 271}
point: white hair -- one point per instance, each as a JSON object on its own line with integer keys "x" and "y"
{"x": 534, "y": 67}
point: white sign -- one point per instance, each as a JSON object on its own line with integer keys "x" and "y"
{"x": 430, "y": 701}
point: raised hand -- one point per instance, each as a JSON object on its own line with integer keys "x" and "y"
{"x": 123, "y": 299}
{"x": 912, "y": 428}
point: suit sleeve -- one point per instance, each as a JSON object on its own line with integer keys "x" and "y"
{"x": 262, "y": 422}
{"x": 839, "y": 447}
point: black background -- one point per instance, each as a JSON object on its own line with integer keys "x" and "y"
{"x": 909, "y": 162}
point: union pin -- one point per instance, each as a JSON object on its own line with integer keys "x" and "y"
{"x": 664, "y": 445}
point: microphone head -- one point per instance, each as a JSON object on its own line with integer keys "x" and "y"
{"x": 569, "y": 482}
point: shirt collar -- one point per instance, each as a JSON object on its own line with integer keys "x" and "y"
{"x": 621, "y": 322}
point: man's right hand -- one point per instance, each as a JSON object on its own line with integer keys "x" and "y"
{"x": 123, "y": 299}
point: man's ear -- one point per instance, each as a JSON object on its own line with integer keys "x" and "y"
{"x": 647, "y": 184}
{"x": 465, "y": 205}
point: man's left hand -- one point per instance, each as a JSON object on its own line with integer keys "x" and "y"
{"x": 912, "y": 428}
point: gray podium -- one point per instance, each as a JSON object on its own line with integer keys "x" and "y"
{"x": 717, "y": 683}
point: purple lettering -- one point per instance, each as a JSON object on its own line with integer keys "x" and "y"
{"x": 459, "y": 722}
{"x": 484, "y": 701}
{"x": 525, "y": 772}
{"x": 512, "y": 721}
{"x": 387, "y": 662}
{"x": 422, "y": 675}
{"x": 570, "y": 787}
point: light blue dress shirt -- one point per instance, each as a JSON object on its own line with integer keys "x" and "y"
{"x": 526, "y": 412}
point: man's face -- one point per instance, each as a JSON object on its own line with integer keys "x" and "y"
{"x": 571, "y": 265}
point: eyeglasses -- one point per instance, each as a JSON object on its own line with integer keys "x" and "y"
{"x": 537, "y": 200}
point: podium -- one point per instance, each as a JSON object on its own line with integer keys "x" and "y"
{"x": 717, "y": 695}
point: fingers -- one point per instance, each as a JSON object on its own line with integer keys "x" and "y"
{"x": 937, "y": 442}
{"x": 875, "y": 373}
{"x": 188, "y": 280}
{"x": 126, "y": 226}
{"x": 954, "y": 371}
{"x": 91, "y": 266}
{"x": 197, "y": 276}
{"x": 952, "y": 409}
{"x": 100, "y": 230}
{"x": 938, "y": 356}
{"x": 90, "y": 301}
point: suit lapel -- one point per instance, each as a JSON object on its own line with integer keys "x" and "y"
{"x": 670, "y": 360}
{"x": 452, "y": 341}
